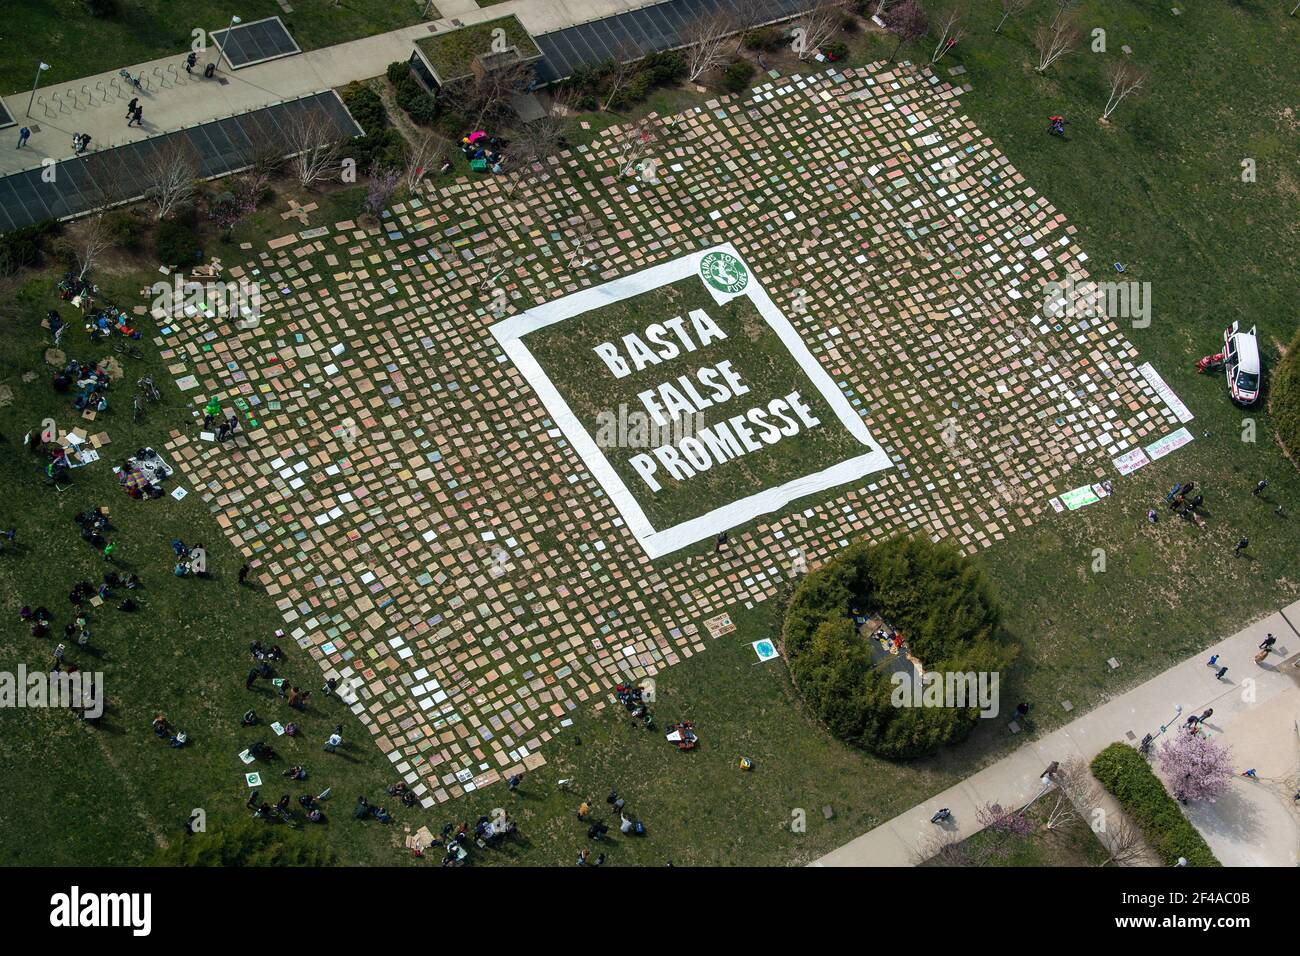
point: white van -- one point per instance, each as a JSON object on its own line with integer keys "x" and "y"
{"x": 1241, "y": 363}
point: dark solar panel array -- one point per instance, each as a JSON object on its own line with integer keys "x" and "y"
{"x": 626, "y": 36}
{"x": 5, "y": 118}
{"x": 218, "y": 148}
{"x": 251, "y": 43}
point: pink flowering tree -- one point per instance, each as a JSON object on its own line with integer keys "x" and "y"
{"x": 1197, "y": 767}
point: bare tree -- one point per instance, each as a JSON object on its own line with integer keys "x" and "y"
{"x": 533, "y": 144}
{"x": 621, "y": 67}
{"x": 1123, "y": 841}
{"x": 94, "y": 240}
{"x": 1055, "y": 40}
{"x": 1125, "y": 79}
{"x": 817, "y": 26}
{"x": 585, "y": 240}
{"x": 314, "y": 147}
{"x": 379, "y": 191}
{"x": 950, "y": 31}
{"x": 706, "y": 36}
{"x": 907, "y": 21}
{"x": 421, "y": 155}
{"x": 943, "y": 848}
{"x": 1011, "y": 8}
{"x": 111, "y": 180}
{"x": 1063, "y": 7}
{"x": 1076, "y": 794}
{"x": 486, "y": 95}
{"x": 636, "y": 143}
{"x": 749, "y": 15}
{"x": 262, "y": 156}
{"x": 169, "y": 176}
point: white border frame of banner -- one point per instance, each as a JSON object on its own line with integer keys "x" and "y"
{"x": 510, "y": 332}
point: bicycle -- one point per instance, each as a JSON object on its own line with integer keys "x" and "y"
{"x": 146, "y": 386}
{"x": 126, "y": 347}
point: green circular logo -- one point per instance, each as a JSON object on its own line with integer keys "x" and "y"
{"x": 724, "y": 272}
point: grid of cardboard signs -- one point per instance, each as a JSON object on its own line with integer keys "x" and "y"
{"x": 453, "y": 473}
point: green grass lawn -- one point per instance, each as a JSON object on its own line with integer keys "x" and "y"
{"x": 65, "y": 35}
{"x": 1158, "y": 189}
{"x": 760, "y": 362}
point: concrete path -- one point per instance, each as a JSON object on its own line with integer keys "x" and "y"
{"x": 173, "y": 99}
{"x": 1256, "y": 712}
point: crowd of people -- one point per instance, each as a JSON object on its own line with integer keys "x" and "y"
{"x": 485, "y": 153}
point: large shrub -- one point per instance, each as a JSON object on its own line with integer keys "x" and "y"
{"x": 1126, "y": 774}
{"x": 176, "y": 244}
{"x": 366, "y": 107}
{"x": 1284, "y": 399}
{"x": 27, "y": 245}
{"x": 248, "y": 843}
{"x": 942, "y": 605}
{"x": 736, "y": 76}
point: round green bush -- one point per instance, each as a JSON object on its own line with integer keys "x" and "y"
{"x": 737, "y": 75}
{"x": 175, "y": 244}
{"x": 366, "y": 107}
{"x": 1284, "y": 400}
{"x": 941, "y": 603}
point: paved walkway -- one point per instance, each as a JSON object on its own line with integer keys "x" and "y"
{"x": 172, "y": 99}
{"x": 1254, "y": 824}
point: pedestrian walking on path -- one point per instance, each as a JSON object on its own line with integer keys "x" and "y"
{"x": 130, "y": 107}
{"x": 190, "y": 61}
{"x": 1218, "y": 675}
{"x": 1213, "y": 661}
{"x": 941, "y": 816}
{"x": 1250, "y": 773}
{"x": 24, "y": 135}
{"x": 1267, "y": 643}
{"x": 137, "y": 117}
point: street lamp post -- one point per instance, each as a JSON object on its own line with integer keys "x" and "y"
{"x": 1178, "y": 709}
{"x": 234, "y": 22}
{"x": 35, "y": 83}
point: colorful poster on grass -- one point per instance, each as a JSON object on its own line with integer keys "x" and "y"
{"x": 1076, "y": 499}
{"x": 1171, "y": 442}
{"x": 1166, "y": 393}
{"x": 1131, "y": 461}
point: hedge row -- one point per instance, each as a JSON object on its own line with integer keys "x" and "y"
{"x": 1127, "y": 775}
{"x": 1284, "y": 402}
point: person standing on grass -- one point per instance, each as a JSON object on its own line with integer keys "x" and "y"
{"x": 243, "y": 573}
{"x": 336, "y": 739}
{"x": 1259, "y": 488}
{"x": 1240, "y": 546}
{"x": 108, "y": 551}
